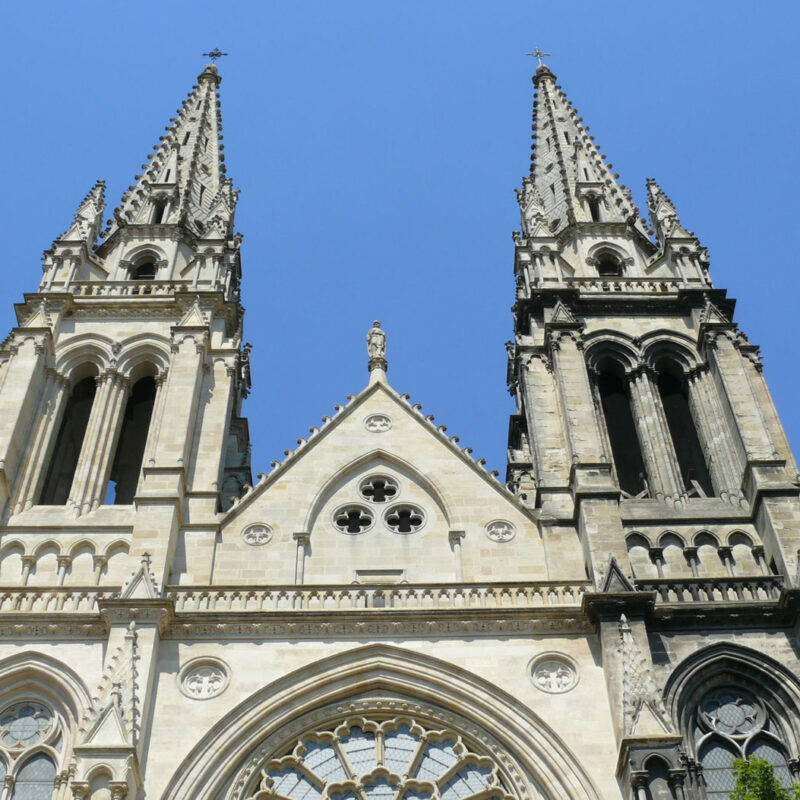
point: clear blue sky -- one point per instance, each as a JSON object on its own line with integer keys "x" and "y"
{"x": 377, "y": 146}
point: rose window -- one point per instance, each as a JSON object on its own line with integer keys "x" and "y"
{"x": 353, "y": 519}
{"x": 379, "y": 489}
{"x": 24, "y": 728}
{"x": 405, "y": 518}
{"x": 369, "y": 760}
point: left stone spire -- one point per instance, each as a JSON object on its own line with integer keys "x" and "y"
{"x": 184, "y": 181}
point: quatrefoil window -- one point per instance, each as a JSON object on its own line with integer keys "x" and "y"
{"x": 353, "y": 519}
{"x": 379, "y": 489}
{"x": 405, "y": 518}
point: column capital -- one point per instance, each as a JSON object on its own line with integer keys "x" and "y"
{"x": 301, "y": 537}
{"x": 456, "y": 537}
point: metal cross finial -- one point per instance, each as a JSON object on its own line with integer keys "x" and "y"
{"x": 538, "y": 55}
{"x": 214, "y": 55}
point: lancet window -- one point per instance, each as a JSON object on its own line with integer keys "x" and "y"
{"x": 68, "y": 443}
{"x": 674, "y": 394}
{"x": 30, "y": 742}
{"x": 127, "y": 464}
{"x": 625, "y": 447}
{"x": 731, "y": 722}
{"x": 371, "y": 759}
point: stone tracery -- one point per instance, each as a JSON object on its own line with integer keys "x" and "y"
{"x": 369, "y": 759}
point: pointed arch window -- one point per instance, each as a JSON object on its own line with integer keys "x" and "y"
{"x": 64, "y": 461}
{"x": 674, "y": 393}
{"x": 594, "y": 204}
{"x": 608, "y": 265}
{"x": 730, "y": 723}
{"x": 146, "y": 271}
{"x": 31, "y": 736}
{"x": 127, "y": 464}
{"x": 621, "y": 428}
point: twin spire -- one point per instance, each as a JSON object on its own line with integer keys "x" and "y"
{"x": 183, "y": 181}
{"x": 571, "y": 183}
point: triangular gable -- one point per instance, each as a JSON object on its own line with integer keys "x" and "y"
{"x": 648, "y": 721}
{"x": 142, "y": 584}
{"x": 108, "y": 730}
{"x": 345, "y": 413}
{"x": 561, "y": 314}
{"x": 615, "y": 579}
{"x": 713, "y": 316}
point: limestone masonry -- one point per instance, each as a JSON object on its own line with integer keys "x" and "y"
{"x": 378, "y": 617}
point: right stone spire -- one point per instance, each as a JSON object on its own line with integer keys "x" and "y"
{"x": 570, "y": 181}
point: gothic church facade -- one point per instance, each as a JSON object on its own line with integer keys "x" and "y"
{"x": 377, "y": 616}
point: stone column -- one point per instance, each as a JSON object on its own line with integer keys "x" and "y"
{"x": 690, "y": 554}
{"x": 179, "y": 409}
{"x": 752, "y": 435}
{"x": 654, "y": 437}
{"x": 99, "y": 563}
{"x": 657, "y": 557}
{"x": 212, "y": 426}
{"x": 28, "y": 563}
{"x": 715, "y": 433}
{"x": 551, "y": 465}
{"x": 456, "y": 537}
{"x": 20, "y": 385}
{"x": 301, "y": 539}
{"x": 572, "y": 381}
{"x": 63, "y": 565}
{"x": 99, "y": 442}
{"x": 45, "y": 432}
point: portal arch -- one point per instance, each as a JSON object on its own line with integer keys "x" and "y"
{"x": 381, "y": 681}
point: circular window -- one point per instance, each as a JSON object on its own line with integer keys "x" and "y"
{"x": 500, "y": 530}
{"x": 378, "y": 423}
{"x": 24, "y": 724}
{"x": 204, "y": 678}
{"x": 353, "y": 519}
{"x": 257, "y": 534}
{"x": 553, "y": 673}
{"x": 404, "y": 518}
{"x": 379, "y": 489}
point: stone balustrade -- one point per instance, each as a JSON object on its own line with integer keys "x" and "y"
{"x": 44, "y": 600}
{"x": 714, "y": 590}
{"x": 126, "y": 288}
{"x": 378, "y": 596}
{"x": 620, "y": 284}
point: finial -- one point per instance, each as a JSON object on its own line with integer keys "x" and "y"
{"x": 538, "y": 55}
{"x": 376, "y": 349}
{"x": 216, "y": 54}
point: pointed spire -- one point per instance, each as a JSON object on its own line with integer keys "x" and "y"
{"x": 88, "y": 219}
{"x": 664, "y": 215}
{"x": 184, "y": 181}
{"x": 570, "y": 181}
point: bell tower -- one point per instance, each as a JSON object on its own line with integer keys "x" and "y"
{"x": 642, "y": 409}
{"x": 122, "y": 385}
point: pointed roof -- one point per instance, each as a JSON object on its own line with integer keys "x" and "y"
{"x": 378, "y": 383}
{"x": 565, "y": 162}
{"x": 663, "y": 214}
{"x": 186, "y": 169}
{"x": 88, "y": 219}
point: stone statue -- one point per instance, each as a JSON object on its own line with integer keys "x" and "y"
{"x": 376, "y": 341}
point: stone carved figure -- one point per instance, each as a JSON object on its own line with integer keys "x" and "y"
{"x": 376, "y": 341}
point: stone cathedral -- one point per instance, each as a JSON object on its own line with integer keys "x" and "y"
{"x": 378, "y": 617}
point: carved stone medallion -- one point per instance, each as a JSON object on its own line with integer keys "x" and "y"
{"x": 378, "y": 423}
{"x": 500, "y": 530}
{"x": 204, "y": 678}
{"x": 257, "y": 534}
{"x": 553, "y": 673}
